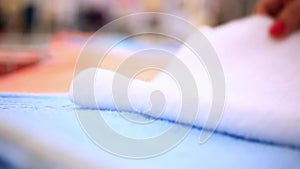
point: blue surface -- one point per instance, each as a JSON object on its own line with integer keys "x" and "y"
{"x": 56, "y": 115}
{"x": 125, "y": 43}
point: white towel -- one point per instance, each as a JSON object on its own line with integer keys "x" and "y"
{"x": 262, "y": 84}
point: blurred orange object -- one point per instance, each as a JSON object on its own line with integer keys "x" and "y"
{"x": 53, "y": 74}
{"x": 15, "y": 60}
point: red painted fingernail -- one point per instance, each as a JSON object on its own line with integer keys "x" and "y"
{"x": 277, "y": 29}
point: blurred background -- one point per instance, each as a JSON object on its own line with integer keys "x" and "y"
{"x": 38, "y": 16}
{"x": 27, "y": 27}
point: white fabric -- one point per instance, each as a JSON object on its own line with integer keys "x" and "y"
{"x": 262, "y": 84}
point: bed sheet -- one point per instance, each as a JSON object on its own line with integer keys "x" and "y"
{"x": 47, "y": 125}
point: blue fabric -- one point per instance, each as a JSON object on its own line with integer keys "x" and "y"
{"x": 53, "y": 117}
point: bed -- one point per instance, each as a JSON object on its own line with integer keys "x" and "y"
{"x": 47, "y": 126}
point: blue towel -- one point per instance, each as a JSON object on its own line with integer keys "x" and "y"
{"x": 49, "y": 123}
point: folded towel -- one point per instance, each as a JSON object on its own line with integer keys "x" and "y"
{"x": 262, "y": 78}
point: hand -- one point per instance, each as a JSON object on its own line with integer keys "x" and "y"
{"x": 286, "y": 14}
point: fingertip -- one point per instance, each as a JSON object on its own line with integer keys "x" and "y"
{"x": 278, "y": 29}
{"x": 288, "y": 21}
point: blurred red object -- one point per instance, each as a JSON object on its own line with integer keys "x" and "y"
{"x": 14, "y": 60}
{"x": 51, "y": 64}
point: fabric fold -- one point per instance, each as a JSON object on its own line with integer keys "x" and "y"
{"x": 262, "y": 85}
